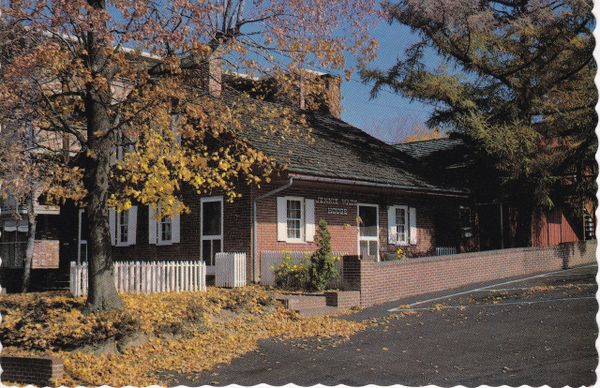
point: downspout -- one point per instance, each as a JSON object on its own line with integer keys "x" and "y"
{"x": 254, "y": 228}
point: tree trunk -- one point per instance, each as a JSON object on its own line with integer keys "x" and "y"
{"x": 102, "y": 293}
{"x": 31, "y": 224}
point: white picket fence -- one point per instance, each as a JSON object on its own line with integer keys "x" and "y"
{"x": 146, "y": 277}
{"x": 230, "y": 270}
{"x": 272, "y": 259}
{"x": 442, "y": 251}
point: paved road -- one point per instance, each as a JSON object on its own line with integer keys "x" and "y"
{"x": 535, "y": 332}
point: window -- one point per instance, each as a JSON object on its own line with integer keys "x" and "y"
{"x": 466, "y": 221}
{"x": 166, "y": 229}
{"x": 398, "y": 225}
{"x": 368, "y": 230}
{"x": 82, "y": 252}
{"x": 294, "y": 219}
{"x": 212, "y": 228}
{"x": 122, "y": 227}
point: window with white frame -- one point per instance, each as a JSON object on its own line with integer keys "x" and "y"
{"x": 294, "y": 219}
{"x": 123, "y": 226}
{"x": 163, "y": 231}
{"x": 402, "y": 225}
{"x": 398, "y": 218}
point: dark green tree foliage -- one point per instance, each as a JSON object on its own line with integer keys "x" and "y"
{"x": 516, "y": 82}
{"x": 322, "y": 262}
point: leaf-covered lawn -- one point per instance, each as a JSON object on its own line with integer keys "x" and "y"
{"x": 181, "y": 332}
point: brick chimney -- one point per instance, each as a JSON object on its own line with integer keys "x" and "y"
{"x": 329, "y": 97}
{"x": 208, "y": 73}
{"x": 312, "y": 91}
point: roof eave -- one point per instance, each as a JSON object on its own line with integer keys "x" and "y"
{"x": 358, "y": 182}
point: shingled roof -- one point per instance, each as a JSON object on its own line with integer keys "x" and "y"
{"x": 426, "y": 148}
{"x": 342, "y": 151}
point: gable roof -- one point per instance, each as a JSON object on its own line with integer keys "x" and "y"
{"x": 425, "y": 148}
{"x": 342, "y": 151}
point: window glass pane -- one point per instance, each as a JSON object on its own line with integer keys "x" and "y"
{"x": 465, "y": 216}
{"x": 368, "y": 248}
{"x": 293, "y": 228}
{"x": 207, "y": 252}
{"x": 165, "y": 229}
{"x": 364, "y": 248}
{"x": 84, "y": 226}
{"x": 294, "y": 219}
{"x": 83, "y": 250}
{"x": 368, "y": 217}
{"x": 294, "y": 209}
{"x": 373, "y": 248}
{"x": 401, "y": 223}
{"x": 211, "y": 218}
{"x": 216, "y": 247}
{"x": 123, "y": 220}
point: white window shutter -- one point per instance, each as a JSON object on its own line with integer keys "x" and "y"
{"x": 392, "y": 232}
{"x": 309, "y": 217}
{"x": 112, "y": 222}
{"x": 151, "y": 225}
{"x": 132, "y": 225}
{"x": 412, "y": 219}
{"x": 175, "y": 228}
{"x": 281, "y": 219}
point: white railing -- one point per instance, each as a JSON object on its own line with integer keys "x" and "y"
{"x": 443, "y": 251}
{"x": 230, "y": 270}
{"x": 272, "y": 259}
{"x": 146, "y": 277}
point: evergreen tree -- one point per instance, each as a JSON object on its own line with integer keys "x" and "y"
{"x": 517, "y": 83}
{"x": 322, "y": 262}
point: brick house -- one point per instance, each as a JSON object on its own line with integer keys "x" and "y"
{"x": 374, "y": 197}
{"x": 47, "y": 248}
{"x": 447, "y": 160}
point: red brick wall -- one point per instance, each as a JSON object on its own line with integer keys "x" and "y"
{"x": 45, "y": 254}
{"x": 31, "y": 370}
{"x": 343, "y": 228}
{"x": 381, "y": 282}
{"x": 238, "y": 223}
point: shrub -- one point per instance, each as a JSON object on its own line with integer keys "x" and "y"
{"x": 322, "y": 262}
{"x": 400, "y": 254}
{"x": 290, "y": 275}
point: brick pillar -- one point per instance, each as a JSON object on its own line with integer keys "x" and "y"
{"x": 351, "y": 273}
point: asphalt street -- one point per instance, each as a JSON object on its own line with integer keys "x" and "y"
{"x": 535, "y": 332}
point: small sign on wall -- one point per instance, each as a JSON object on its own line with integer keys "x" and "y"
{"x": 337, "y": 206}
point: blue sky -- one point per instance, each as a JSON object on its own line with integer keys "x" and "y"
{"x": 389, "y": 116}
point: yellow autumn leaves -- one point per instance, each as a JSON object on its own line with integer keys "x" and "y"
{"x": 177, "y": 332}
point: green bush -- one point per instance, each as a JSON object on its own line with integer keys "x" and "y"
{"x": 290, "y": 275}
{"x": 322, "y": 263}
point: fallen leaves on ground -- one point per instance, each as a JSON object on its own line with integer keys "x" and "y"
{"x": 181, "y": 332}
